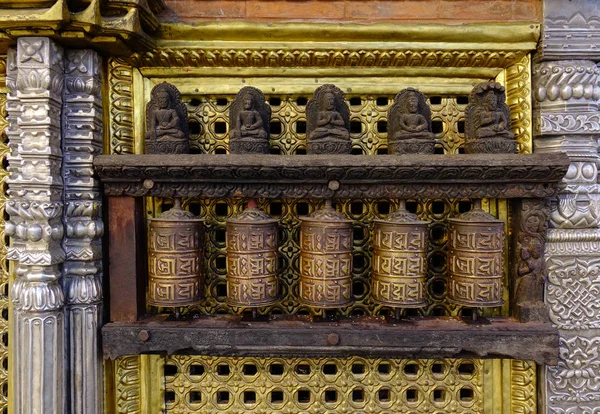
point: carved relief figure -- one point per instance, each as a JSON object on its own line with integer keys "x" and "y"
{"x": 531, "y": 271}
{"x": 249, "y": 120}
{"x": 487, "y": 123}
{"x": 410, "y": 124}
{"x": 166, "y": 122}
{"x": 328, "y": 122}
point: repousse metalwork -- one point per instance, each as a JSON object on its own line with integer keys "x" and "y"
{"x": 119, "y": 134}
{"x": 400, "y": 244}
{"x": 82, "y": 271}
{"x": 252, "y": 258}
{"x": 36, "y": 229}
{"x": 341, "y": 385}
{"x": 175, "y": 254}
{"x": 518, "y": 99}
{"x": 476, "y": 259}
{"x": 4, "y": 266}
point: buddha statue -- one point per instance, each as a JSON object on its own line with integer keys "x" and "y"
{"x": 409, "y": 120}
{"x": 328, "y": 122}
{"x": 492, "y": 122}
{"x": 487, "y": 121}
{"x": 166, "y": 122}
{"x": 249, "y": 120}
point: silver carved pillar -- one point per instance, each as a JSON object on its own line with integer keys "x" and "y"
{"x": 566, "y": 94}
{"x": 35, "y": 226}
{"x": 82, "y": 273}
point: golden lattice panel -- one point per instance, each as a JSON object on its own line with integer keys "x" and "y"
{"x": 203, "y": 384}
{"x": 209, "y": 123}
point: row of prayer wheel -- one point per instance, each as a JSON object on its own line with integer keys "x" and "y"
{"x": 400, "y": 243}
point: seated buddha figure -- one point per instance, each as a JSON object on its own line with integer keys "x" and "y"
{"x": 165, "y": 119}
{"x": 411, "y": 123}
{"x": 487, "y": 121}
{"x": 330, "y": 124}
{"x": 166, "y": 122}
{"x": 249, "y": 120}
{"x": 249, "y": 123}
{"x": 492, "y": 120}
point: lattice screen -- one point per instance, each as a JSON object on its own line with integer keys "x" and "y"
{"x": 321, "y": 385}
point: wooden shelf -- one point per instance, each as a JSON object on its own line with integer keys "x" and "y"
{"x": 527, "y": 179}
{"x": 327, "y": 176}
{"x": 436, "y": 337}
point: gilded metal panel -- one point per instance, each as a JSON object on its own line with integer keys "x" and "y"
{"x": 321, "y": 385}
{"x": 518, "y": 96}
{"x": 119, "y": 135}
{"x": 203, "y": 383}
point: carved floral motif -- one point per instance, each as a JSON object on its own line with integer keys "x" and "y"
{"x": 576, "y": 378}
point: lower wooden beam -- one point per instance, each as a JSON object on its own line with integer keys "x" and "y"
{"x": 442, "y": 337}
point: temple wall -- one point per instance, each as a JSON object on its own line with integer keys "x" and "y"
{"x": 565, "y": 80}
{"x": 353, "y": 11}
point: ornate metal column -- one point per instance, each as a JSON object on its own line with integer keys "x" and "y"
{"x": 566, "y": 117}
{"x": 36, "y": 228}
{"x": 82, "y": 141}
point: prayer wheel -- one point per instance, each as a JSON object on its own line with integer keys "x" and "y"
{"x": 326, "y": 259}
{"x": 252, "y": 258}
{"x": 400, "y": 260}
{"x": 175, "y": 245}
{"x": 476, "y": 259}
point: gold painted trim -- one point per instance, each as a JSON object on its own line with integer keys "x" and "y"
{"x": 293, "y": 85}
{"x": 518, "y": 91}
{"x": 520, "y": 36}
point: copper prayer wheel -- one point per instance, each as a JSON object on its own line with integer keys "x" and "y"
{"x": 175, "y": 244}
{"x": 400, "y": 260}
{"x": 326, "y": 259}
{"x": 252, "y": 258}
{"x": 476, "y": 259}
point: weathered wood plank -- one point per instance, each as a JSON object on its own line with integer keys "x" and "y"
{"x": 442, "y": 337}
{"x": 340, "y": 176}
{"x": 127, "y": 258}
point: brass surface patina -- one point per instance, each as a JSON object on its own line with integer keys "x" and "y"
{"x": 476, "y": 259}
{"x": 175, "y": 254}
{"x": 326, "y": 259}
{"x": 252, "y": 258}
{"x": 400, "y": 244}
